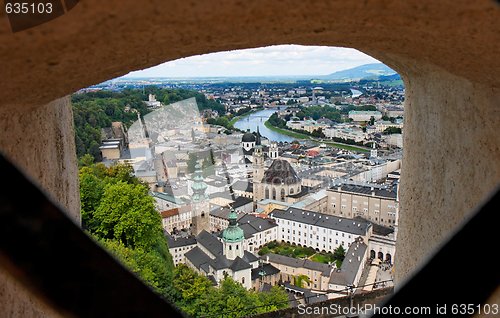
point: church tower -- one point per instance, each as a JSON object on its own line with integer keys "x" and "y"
{"x": 373, "y": 152}
{"x": 258, "y": 172}
{"x": 273, "y": 151}
{"x": 200, "y": 214}
{"x": 232, "y": 238}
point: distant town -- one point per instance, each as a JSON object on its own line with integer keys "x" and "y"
{"x": 288, "y": 183}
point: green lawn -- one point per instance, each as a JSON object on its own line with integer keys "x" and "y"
{"x": 345, "y": 146}
{"x": 323, "y": 258}
{"x": 287, "y": 250}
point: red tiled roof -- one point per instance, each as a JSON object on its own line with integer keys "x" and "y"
{"x": 169, "y": 213}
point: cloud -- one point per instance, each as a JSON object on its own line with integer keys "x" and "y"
{"x": 265, "y": 61}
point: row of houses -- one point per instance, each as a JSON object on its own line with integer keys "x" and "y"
{"x": 323, "y": 232}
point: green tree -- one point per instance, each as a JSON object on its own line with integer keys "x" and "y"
{"x": 318, "y": 133}
{"x": 339, "y": 253}
{"x": 86, "y": 160}
{"x": 208, "y": 167}
{"x": 91, "y": 190}
{"x": 301, "y": 280}
{"x": 372, "y": 121}
{"x": 392, "y": 130}
{"x": 118, "y": 212}
{"x": 149, "y": 265}
{"x": 192, "y": 161}
{"x": 275, "y": 299}
{"x": 127, "y": 214}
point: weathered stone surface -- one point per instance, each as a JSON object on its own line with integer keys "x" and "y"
{"x": 41, "y": 142}
{"x": 450, "y": 160}
{"x": 97, "y": 40}
{"x": 446, "y": 50}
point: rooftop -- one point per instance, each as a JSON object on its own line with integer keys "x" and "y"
{"x": 354, "y": 258}
{"x": 356, "y": 227}
{"x": 280, "y": 172}
{"x": 389, "y": 193}
{"x": 174, "y": 242}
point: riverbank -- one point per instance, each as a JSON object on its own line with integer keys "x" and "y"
{"x": 304, "y": 136}
{"x": 286, "y": 131}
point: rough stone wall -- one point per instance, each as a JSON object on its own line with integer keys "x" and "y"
{"x": 41, "y": 143}
{"x": 446, "y": 50}
{"x": 98, "y": 40}
{"x": 451, "y": 151}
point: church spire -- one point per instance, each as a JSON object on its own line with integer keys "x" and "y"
{"x": 232, "y": 237}
{"x": 233, "y": 233}
{"x": 257, "y": 139}
{"x": 199, "y": 186}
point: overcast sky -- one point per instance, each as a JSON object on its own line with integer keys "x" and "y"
{"x": 266, "y": 61}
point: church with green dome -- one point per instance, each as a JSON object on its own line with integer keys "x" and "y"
{"x": 232, "y": 237}
{"x": 219, "y": 256}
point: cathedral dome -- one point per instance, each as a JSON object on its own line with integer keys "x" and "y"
{"x": 248, "y": 137}
{"x": 233, "y": 233}
{"x": 281, "y": 172}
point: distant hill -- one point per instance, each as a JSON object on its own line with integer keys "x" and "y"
{"x": 367, "y": 71}
{"x": 393, "y": 77}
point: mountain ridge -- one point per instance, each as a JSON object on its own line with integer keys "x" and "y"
{"x": 365, "y": 71}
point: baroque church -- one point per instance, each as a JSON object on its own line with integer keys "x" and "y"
{"x": 216, "y": 258}
{"x": 279, "y": 180}
{"x": 250, "y": 140}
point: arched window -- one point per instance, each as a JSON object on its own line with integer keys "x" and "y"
{"x": 237, "y": 247}
{"x": 267, "y": 193}
{"x": 282, "y": 194}
{"x": 291, "y": 191}
{"x": 274, "y": 193}
{"x": 230, "y": 247}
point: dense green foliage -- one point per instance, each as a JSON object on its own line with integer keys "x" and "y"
{"x": 220, "y": 121}
{"x": 330, "y": 112}
{"x": 276, "y": 121}
{"x": 392, "y": 130}
{"x": 118, "y": 212}
{"x": 170, "y": 95}
{"x": 287, "y": 250}
{"x": 339, "y": 255}
{"x": 195, "y": 295}
{"x": 290, "y": 250}
{"x": 95, "y": 110}
{"x": 301, "y": 281}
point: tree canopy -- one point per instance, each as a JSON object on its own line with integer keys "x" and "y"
{"x": 118, "y": 212}
{"x": 196, "y": 296}
{"x": 95, "y": 110}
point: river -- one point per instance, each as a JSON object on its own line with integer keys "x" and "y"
{"x": 258, "y": 119}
